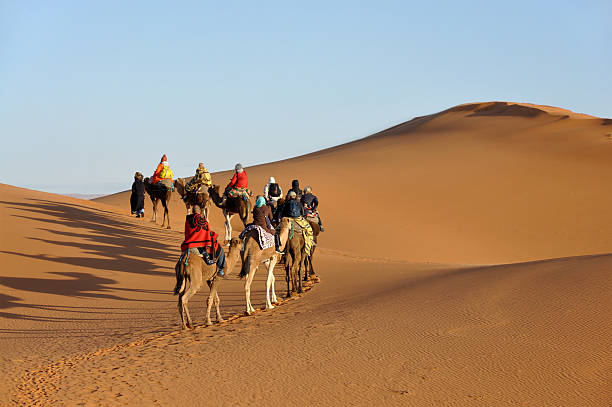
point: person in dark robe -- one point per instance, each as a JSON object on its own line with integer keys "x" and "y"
{"x": 137, "y": 199}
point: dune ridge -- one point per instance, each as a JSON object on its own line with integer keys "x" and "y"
{"x": 483, "y": 280}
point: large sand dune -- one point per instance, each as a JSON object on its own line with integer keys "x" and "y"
{"x": 417, "y": 303}
{"x": 478, "y": 183}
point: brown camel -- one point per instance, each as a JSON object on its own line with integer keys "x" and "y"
{"x": 233, "y": 206}
{"x": 252, "y": 257}
{"x": 308, "y": 268}
{"x": 158, "y": 194}
{"x": 189, "y": 279}
{"x": 294, "y": 262}
{"x": 202, "y": 198}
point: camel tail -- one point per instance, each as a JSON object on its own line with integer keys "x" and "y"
{"x": 244, "y": 271}
{"x": 180, "y": 277}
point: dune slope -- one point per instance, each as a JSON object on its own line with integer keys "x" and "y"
{"x": 417, "y": 305}
{"x": 480, "y": 183}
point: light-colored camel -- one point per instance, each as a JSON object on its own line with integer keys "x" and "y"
{"x": 158, "y": 195}
{"x": 202, "y": 198}
{"x": 233, "y": 206}
{"x": 252, "y": 257}
{"x": 189, "y": 280}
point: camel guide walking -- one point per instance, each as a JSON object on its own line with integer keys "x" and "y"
{"x": 138, "y": 196}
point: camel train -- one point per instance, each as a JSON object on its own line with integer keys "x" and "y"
{"x": 191, "y": 274}
{"x": 192, "y": 270}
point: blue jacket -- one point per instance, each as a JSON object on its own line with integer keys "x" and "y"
{"x": 293, "y": 209}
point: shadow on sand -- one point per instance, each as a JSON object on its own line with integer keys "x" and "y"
{"x": 107, "y": 243}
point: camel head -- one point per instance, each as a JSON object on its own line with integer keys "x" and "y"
{"x": 213, "y": 192}
{"x": 179, "y": 185}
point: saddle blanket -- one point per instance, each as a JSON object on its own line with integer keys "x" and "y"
{"x": 301, "y": 225}
{"x": 244, "y": 193}
{"x": 265, "y": 239}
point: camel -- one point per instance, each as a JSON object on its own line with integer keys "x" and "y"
{"x": 233, "y": 206}
{"x": 202, "y": 199}
{"x": 294, "y": 262}
{"x": 252, "y": 257}
{"x": 308, "y": 268}
{"x": 158, "y": 194}
{"x": 189, "y": 279}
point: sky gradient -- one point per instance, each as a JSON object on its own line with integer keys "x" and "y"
{"x": 92, "y": 91}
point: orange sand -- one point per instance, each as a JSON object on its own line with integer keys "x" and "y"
{"x": 417, "y": 303}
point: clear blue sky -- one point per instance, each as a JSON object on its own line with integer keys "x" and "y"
{"x": 92, "y": 91}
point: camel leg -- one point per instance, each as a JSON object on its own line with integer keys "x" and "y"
{"x": 300, "y": 266}
{"x": 288, "y": 266}
{"x": 166, "y": 215}
{"x": 247, "y": 289}
{"x": 269, "y": 283}
{"x": 188, "y": 294}
{"x": 272, "y": 265}
{"x": 154, "y": 218}
{"x": 180, "y": 310}
{"x": 228, "y": 228}
{"x": 217, "y": 303}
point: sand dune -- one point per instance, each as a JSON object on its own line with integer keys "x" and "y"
{"x": 478, "y": 183}
{"x": 416, "y": 304}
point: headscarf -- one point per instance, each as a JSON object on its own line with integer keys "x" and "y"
{"x": 261, "y": 201}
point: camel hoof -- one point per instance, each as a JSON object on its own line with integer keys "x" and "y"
{"x": 270, "y": 307}
{"x": 219, "y": 320}
{"x": 168, "y": 227}
{"x": 208, "y": 323}
{"x": 189, "y": 326}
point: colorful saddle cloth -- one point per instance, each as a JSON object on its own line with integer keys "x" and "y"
{"x": 301, "y": 225}
{"x": 265, "y": 239}
{"x": 243, "y": 193}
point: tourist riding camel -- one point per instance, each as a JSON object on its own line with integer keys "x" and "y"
{"x": 238, "y": 186}
{"x": 138, "y": 196}
{"x": 199, "y": 180}
{"x": 198, "y": 235}
{"x": 262, "y": 216}
{"x": 163, "y": 174}
{"x": 310, "y": 203}
{"x": 295, "y": 187}
{"x": 294, "y": 210}
{"x": 272, "y": 191}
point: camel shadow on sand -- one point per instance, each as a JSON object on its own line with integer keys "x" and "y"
{"x": 107, "y": 244}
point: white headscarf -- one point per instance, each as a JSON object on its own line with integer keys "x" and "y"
{"x": 271, "y": 180}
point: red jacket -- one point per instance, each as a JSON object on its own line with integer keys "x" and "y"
{"x": 198, "y": 234}
{"x": 239, "y": 180}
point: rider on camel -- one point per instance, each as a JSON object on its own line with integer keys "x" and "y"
{"x": 310, "y": 203}
{"x": 200, "y": 179}
{"x": 198, "y": 235}
{"x": 272, "y": 191}
{"x": 262, "y": 216}
{"x": 238, "y": 186}
{"x": 163, "y": 174}
{"x": 294, "y": 210}
{"x": 295, "y": 187}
